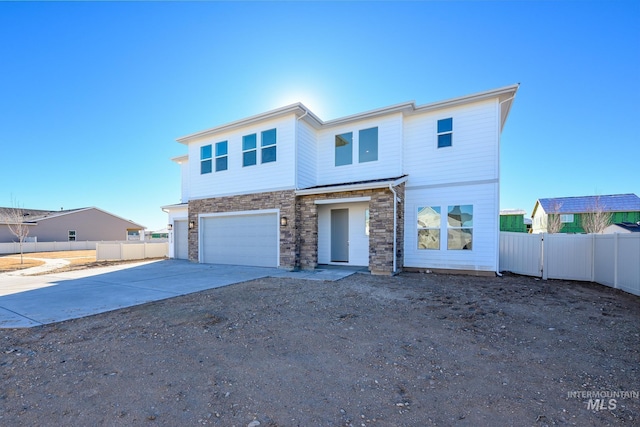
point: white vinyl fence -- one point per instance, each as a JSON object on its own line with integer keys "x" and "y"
{"x": 28, "y": 247}
{"x": 608, "y": 259}
{"x": 126, "y": 251}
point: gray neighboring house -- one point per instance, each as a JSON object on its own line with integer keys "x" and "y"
{"x": 84, "y": 224}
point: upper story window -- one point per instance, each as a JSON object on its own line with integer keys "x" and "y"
{"x": 445, "y": 132}
{"x": 205, "y": 159}
{"x": 460, "y": 227}
{"x": 221, "y": 156}
{"x": 249, "y": 150}
{"x": 344, "y": 149}
{"x": 268, "y": 146}
{"x": 368, "y": 145}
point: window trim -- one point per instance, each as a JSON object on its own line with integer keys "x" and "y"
{"x": 461, "y": 227}
{"x": 362, "y": 154}
{"x": 448, "y": 132}
{"x": 268, "y": 146}
{"x": 224, "y": 156}
{"x": 249, "y": 150}
{"x": 438, "y": 210}
{"x": 348, "y": 143}
{"x": 206, "y": 163}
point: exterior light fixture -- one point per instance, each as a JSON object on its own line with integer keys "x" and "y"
{"x": 191, "y": 224}
{"x": 169, "y": 226}
{"x": 283, "y": 221}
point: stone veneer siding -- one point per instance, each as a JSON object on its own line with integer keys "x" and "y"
{"x": 380, "y": 228}
{"x": 282, "y": 200}
{"x": 299, "y": 239}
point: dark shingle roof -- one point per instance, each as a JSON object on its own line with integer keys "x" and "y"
{"x": 611, "y": 203}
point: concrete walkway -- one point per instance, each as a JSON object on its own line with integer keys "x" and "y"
{"x": 27, "y": 301}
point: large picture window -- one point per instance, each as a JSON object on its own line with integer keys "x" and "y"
{"x": 221, "y": 156}
{"x": 460, "y": 227}
{"x": 368, "y": 145}
{"x": 344, "y": 149}
{"x": 429, "y": 227}
{"x": 268, "y": 146}
{"x": 205, "y": 159}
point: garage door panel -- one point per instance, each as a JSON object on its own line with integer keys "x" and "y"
{"x": 241, "y": 240}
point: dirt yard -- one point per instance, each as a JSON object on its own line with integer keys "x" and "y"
{"x": 410, "y": 350}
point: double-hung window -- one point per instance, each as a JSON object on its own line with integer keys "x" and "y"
{"x": 205, "y": 159}
{"x": 268, "y": 145}
{"x": 460, "y": 227}
{"x": 221, "y": 156}
{"x": 249, "y": 150}
{"x": 368, "y": 145}
{"x": 344, "y": 149}
{"x": 445, "y": 132}
{"x": 429, "y": 227}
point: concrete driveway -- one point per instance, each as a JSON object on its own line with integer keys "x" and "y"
{"x": 27, "y": 301}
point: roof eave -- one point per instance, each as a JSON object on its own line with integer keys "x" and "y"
{"x": 354, "y": 187}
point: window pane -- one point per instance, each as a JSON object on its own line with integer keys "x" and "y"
{"x": 249, "y": 158}
{"x": 268, "y": 138}
{"x": 344, "y": 154}
{"x": 460, "y": 216}
{"x": 269, "y": 154}
{"x": 429, "y": 239}
{"x": 221, "y": 148}
{"x": 205, "y": 166}
{"x": 221, "y": 164}
{"x": 445, "y": 125}
{"x": 249, "y": 142}
{"x": 366, "y": 222}
{"x": 459, "y": 238}
{"x": 429, "y": 217}
{"x": 444, "y": 140}
{"x": 368, "y": 145}
{"x": 205, "y": 152}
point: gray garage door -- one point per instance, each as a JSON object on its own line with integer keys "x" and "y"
{"x": 241, "y": 240}
{"x": 180, "y": 240}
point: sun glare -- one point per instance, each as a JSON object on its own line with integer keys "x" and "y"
{"x": 307, "y": 98}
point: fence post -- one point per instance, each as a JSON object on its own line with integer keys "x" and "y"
{"x": 593, "y": 257}
{"x": 615, "y": 260}
{"x": 543, "y": 241}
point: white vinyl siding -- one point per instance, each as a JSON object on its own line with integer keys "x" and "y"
{"x": 307, "y": 155}
{"x": 389, "y": 163}
{"x": 484, "y": 199}
{"x": 237, "y": 179}
{"x": 473, "y": 155}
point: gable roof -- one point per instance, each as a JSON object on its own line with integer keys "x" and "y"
{"x": 610, "y": 203}
{"x": 33, "y": 216}
{"x": 629, "y": 226}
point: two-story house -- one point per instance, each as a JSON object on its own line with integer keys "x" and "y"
{"x": 403, "y": 186}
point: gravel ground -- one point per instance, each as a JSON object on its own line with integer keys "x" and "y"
{"x": 410, "y": 350}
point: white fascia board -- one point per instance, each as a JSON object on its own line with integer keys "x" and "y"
{"x": 355, "y": 187}
{"x": 506, "y": 92}
{"x": 298, "y": 109}
{"x": 180, "y": 159}
{"x": 177, "y": 207}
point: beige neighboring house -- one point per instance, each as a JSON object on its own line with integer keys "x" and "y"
{"x": 84, "y": 224}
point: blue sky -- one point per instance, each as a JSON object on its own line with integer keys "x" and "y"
{"x": 94, "y": 94}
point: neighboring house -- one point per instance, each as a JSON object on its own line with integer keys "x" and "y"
{"x": 85, "y": 224}
{"x": 622, "y": 207}
{"x": 513, "y": 220}
{"x": 623, "y": 227}
{"x": 401, "y": 186}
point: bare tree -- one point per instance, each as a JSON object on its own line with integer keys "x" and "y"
{"x": 14, "y": 219}
{"x": 596, "y": 219}
{"x": 554, "y": 221}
